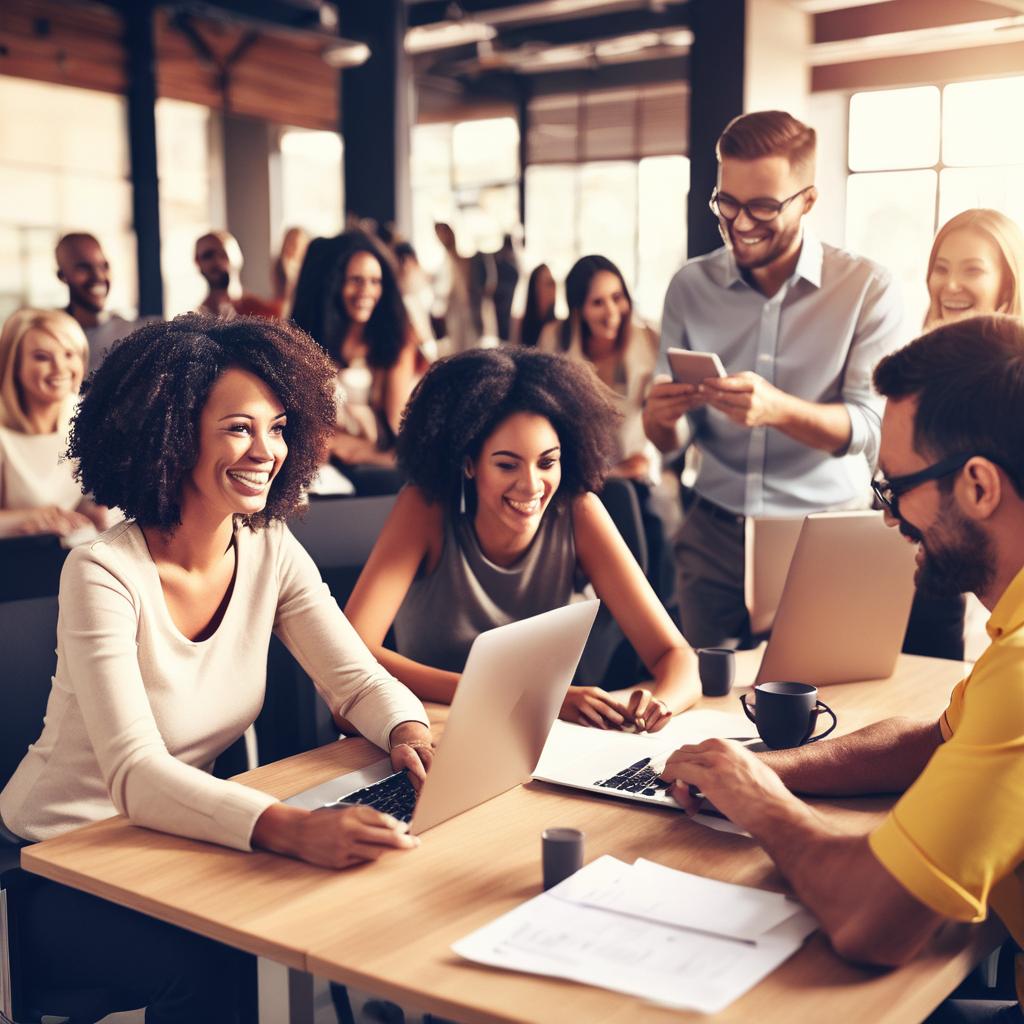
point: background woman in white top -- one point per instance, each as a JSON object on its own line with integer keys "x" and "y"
{"x": 205, "y": 433}
{"x": 43, "y": 357}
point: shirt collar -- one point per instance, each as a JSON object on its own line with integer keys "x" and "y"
{"x": 808, "y": 264}
{"x": 1008, "y": 614}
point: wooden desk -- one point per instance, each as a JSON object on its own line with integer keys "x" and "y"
{"x": 387, "y": 927}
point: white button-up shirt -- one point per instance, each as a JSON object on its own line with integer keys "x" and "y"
{"x": 818, "y": 338}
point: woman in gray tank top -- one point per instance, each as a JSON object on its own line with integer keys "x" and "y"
{"x": 504, "y": 449}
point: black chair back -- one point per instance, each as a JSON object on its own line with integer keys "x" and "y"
{"x": 609, "y": 659}
{"x": 30, "y": 566}
{"x": 29, "y": 629}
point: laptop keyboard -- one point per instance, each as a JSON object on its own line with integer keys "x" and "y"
{"x": 393, "y": 795}
{"x": 637, "y": 778}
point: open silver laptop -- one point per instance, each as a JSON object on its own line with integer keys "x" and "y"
{"x": 511, "y": 689}
{"x": 841, "y": 618}
{"x": 845, "y": 604}
{"x": 769, "y": 545}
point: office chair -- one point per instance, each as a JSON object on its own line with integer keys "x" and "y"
{"x": 609, "y": 659}
{"x": 30, "y": 566}
{"x": 30, "y": 631}
{"x": 339, "y": 534}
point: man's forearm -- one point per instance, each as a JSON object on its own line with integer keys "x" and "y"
{"x": 816, "y": 424}
{"x": 883, "y": 758}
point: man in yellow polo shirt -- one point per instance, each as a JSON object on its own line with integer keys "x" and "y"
{"x": 952, "y": 452}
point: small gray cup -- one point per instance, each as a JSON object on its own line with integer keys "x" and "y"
{"x": 561, "y": 854}
{"x": 717, "y": 666}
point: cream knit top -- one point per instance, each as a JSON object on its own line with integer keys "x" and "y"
{"x": 138, "y": 713}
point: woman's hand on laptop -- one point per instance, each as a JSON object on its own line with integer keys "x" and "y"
{"x": 590, "y": 705}
{"x": 412, "y": 751}
{"x": 333, "y": 837}
{"x": 646, "y": 712}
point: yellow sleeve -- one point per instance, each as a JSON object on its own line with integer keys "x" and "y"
{"x": 954, "y": 710}
{"x": 958, "y": 830}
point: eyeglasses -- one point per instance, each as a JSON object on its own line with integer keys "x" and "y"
{"x": 762, "y": 209}
{"x": 889, "y": 492}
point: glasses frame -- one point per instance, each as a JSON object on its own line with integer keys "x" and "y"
{"x": 781, "y": 204}
{"x": 889, "y": 492}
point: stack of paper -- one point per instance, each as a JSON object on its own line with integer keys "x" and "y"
{"x": 647, "y": 930}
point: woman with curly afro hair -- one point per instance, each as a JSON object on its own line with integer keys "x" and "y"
{"x": 204, "y": 435}
{"x": 503, "y": 449}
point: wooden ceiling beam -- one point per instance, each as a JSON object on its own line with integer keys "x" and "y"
{"x": 889, "y": 18}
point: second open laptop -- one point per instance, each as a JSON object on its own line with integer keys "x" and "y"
{"x": 845, "y": 604}
{"x": 509, "y": 694}
{"x": 841, "y": 618}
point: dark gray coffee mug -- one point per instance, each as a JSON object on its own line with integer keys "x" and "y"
{"x": 786, "y": 713}
{"x": 717, "y": 666}
{"x": 561, "y": 854}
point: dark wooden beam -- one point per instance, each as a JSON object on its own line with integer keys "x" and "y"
{"x": 905, "y": 16}
{"x": 716, "y": 97}
{"x": 593, "y": 29}
{"x": 437, "y": 10}
{"x": 140, "y": 51}
{"x": 612, "y": 76}
{"x": 375, "y": 114}
{"x": 920, "y": 68}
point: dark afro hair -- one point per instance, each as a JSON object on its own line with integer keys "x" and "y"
{"x": 462, "y": 400}
{"x": 136, "y": 436}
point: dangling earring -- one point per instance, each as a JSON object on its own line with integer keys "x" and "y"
{"x": 466, "y": 475}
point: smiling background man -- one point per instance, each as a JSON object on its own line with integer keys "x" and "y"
{"x": 952, "y": 449}
{"x": 799, "y": 326}
{"x": 84, "y": 268}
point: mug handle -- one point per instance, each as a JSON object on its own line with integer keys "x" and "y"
{"x": 746, "y": 708}
{"x": 819, "y": 707}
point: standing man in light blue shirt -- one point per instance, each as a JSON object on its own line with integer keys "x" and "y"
{"x": 799, "y": 326}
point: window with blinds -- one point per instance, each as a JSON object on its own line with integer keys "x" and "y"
{"x": 612, "y": 124}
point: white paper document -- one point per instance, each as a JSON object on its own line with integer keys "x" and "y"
{"x": 654, "y": 892}
{"x": 637, "y": 945}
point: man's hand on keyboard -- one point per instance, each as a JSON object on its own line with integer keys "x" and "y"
{"x": 740, "y": 785}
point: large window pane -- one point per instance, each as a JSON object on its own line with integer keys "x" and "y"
{"x": 979, "y": 122}
{"x": 484, "y": 216}
{"x": 63, "y": 167}
{"x": 432, "y": 197}
{"x": 607, "y": 215}
{"x": 890, "y": 217}
{"x": 894, "y": 128}
{"x": 998, "y": 188}
{"x": 187, "y": 198}
{"x": 551, "y": 218}
{"x": 485, "y": 152}
{"x": 312, "y": 178}
{"x": 663, "y": 186}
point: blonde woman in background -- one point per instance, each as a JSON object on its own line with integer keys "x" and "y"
{"x": 975, "y": 266}
{"x": 43, "y": 358}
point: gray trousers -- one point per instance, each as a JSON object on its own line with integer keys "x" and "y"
{"x": 709, "y": 564}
